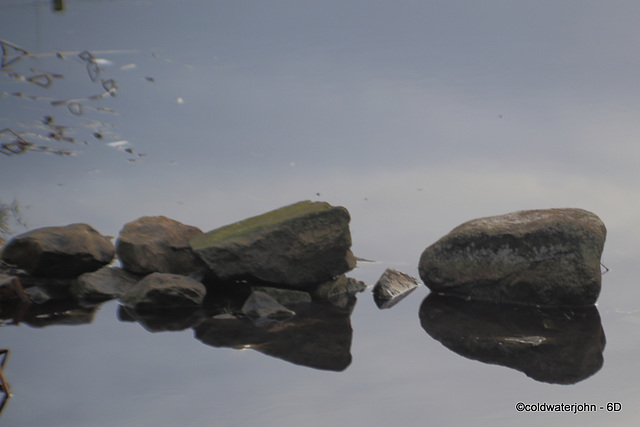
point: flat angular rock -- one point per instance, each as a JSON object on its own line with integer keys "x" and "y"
{"x": 262, "y": 306}
{"x": 66, "y": 251}
{"x": 157, "y": 244}
{"x": 102, "y": 285}
{"x": 392, "y": 286}
{"x": 297, "y": 245}
{"x": 164, "y": 290}
{"x": 536, "y": 257}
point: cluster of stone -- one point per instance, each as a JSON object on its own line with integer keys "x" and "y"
{"x": 163, "y": 261}
{"x": 538, "y": 257}
{"x": 255, "y": 284}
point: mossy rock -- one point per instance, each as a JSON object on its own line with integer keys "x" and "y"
{"x": 296, "y": 245}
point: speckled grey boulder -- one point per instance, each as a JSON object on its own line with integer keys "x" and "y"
{"x": 534, "y": 257}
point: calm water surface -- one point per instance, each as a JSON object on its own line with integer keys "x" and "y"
{"x": 416, "y": 117}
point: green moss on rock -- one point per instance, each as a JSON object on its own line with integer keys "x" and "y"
{"x": 259, "y": 223}
{"x": 306, "y": 242}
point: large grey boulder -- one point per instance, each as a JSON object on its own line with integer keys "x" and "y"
{"x": 535, "y": 257}
{"x": 157, "y": 244}
{"x": 66, "y": 251}
{"x": 297, "y": 245}
{"x": 159, "y": 291}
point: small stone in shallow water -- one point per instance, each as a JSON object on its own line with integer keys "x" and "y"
{"x": 392, "y": 286}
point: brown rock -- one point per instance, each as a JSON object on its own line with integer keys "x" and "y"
{"x": 66, "y": 251}
{"x": 157, "y": 244}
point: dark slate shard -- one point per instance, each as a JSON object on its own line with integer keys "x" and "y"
{"x": 392, "y": 287}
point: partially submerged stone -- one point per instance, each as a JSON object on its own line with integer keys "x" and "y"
{"x": 157, "y": 244}
{"x": 340, "y": 292}
{"x": 535, "y": 257}
{"x": 66, "y": 251}
{"x": 102, "y": 285}
{"x": 297, "y": 245}
{"x": 392, "y": 286}
{"x": 164, "y": 290}
{"x": 261, "y": 306}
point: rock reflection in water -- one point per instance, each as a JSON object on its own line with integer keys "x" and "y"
{"x": 319, "y": 336}
{"x": 52, "y": 312}
{"x": 173, "y": 320}
{"x": 553, "y": 345}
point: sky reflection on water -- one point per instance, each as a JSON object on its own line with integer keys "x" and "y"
{"x": 415, "y": 116}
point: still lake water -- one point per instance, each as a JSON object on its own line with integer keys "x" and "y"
{"x": 415, "y": 116}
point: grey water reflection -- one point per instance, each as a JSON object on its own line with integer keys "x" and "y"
{"x": 553, "y": 345}
{"x": 48, "y": 303}
{"x": 318, "y": 336}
